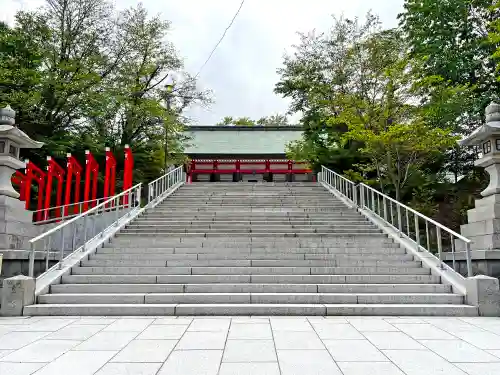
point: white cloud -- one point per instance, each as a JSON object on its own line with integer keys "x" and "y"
{"x": 242, "y": 72}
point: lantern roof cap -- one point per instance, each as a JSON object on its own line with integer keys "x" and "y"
{"x": 489, "y": 128}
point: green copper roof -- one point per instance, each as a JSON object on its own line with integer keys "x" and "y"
{"x": 240, "y": 140}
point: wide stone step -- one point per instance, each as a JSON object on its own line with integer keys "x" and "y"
{"x": 249, "y": 309}
{"x": 251, "y": 205}
{"x": 247, "y": 251}
{"x": 256, "y": 279}
{"x": 238, "y": 243}
{"x": 249, "y": 288}
{"x": 225, "y": 247}
{"x": 264, "y": 234}
{"x": 248, "y": 263}
{"x": 241, "y": 221}
{"x": 254, "y": 298}
{"x": 372, "y": 239}
{"x": 255, "y": 226}
{"x": 250, "y": 256}
{"x": 255, "y": 215}
{"x": 296, "y": 231}
{"x": 249, "y": 210}
{"x": 249, "y": 271}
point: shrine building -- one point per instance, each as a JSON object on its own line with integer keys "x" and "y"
{"x": 243, "y": 153}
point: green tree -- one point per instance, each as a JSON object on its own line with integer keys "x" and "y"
{"x": 239, "y": 121}
{"x": 273, "y": 120}
{"x": 494, "y": 37}
{"x": 81, "y": 75}
{"x": 398, "y": 151}
{"x": 449, "y": 40}
{"x": 244, "y": 121}
{"x": 226, "y": 121}
{"x": 322, "y": 68}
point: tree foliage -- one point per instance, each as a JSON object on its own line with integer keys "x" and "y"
{"x": 494, "y": 37}
{"x": 449, "y": 39}
{"x": 382, "y": 106}
{"x": 82, "y": 75}
{"x": 273, "y": 120}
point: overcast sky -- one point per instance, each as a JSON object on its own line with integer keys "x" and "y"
{"x": 242, "y": 71}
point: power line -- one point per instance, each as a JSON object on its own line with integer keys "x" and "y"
{"x": 220, "y": 40}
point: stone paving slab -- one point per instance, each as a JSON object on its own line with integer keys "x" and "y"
{"x": 249, "y": 345}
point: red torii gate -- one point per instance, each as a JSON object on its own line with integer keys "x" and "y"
{"x": 91, "y": 176}
{"x": 38, "y": 175}
{"x": 109, "y": 174}
{"x": 128, "y": 171}
{"x": 75, "y": 168}
{"x": 54, "y": 170}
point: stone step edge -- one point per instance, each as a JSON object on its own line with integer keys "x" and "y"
{"x": 427, "y": 294}
{"x": 249, "y": 309}
{"x": 370, "y": 285}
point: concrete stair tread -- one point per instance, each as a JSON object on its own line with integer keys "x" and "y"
{"x": 217, "y": 288}
{"x": 250, "y": 309}
{"x": 249, "y": 263}
{"x": 251, "y": 256}
{"x": 259, "y": 279}
{"x": 253, "y": 298}
{"x": 263, "y": 234}
{"x": 149, "y": 270}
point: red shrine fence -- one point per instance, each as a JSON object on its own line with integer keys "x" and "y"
{"x": 237, "y": 168}
{"x": 68, "y": 180}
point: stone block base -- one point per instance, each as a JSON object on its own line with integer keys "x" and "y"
{"x": 484, "y": 293}
{"x": 17, "y": 292}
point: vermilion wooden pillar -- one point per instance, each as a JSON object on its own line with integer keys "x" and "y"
{"x": 91, "y": 176}
{"x": 36, "y": 174}
{"x": 128, "y": 171}
{"x": 109, "y": 174}
{"x": 54, "y": 170}
{"x": 75, "y": 168}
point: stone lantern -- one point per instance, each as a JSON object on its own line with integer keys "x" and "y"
{"x": 16, "y": 227}
{"x": 12, "y": 140}
{"x": 483, "y": 221}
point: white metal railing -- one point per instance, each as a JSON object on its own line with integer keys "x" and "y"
{"x": 424, "y": 232}
{"x": 158, "y": 188}
{"x": 342, "y": 185}
{"x": 75, "y": 234}
{"x": 49, "y": 215}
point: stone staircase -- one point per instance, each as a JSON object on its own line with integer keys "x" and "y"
{"x": 251, "y": 249}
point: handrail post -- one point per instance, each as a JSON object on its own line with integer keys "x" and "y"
{"x": 440, "y": 247}
{"x": 385, "y": 208}
{"x": 417, "y": 232}
{"x": 61, "y": 250}
{"x": 468, "y": 259}
{"x": 400, "y": 220}
{"x": 31, "y": 270}
{"x": 453, "y": 253}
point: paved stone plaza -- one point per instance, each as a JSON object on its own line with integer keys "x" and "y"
{"x": 249, "y": 346}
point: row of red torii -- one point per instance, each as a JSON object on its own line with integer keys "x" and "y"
{"x": 54, "y": 171}
{"x": 252, "y": 167}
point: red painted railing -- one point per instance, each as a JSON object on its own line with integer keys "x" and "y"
{"x": 264, "y": 166}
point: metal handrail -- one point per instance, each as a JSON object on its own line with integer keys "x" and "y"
{"x": 392, "y": 212}
{"x": 163, "y": 184}
{"x": 342, "y": 185}
{"x": 70, "y": 207}
{"x": 109, "y": 211}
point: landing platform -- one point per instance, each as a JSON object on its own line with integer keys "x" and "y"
{"x": 249, "y": 346}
